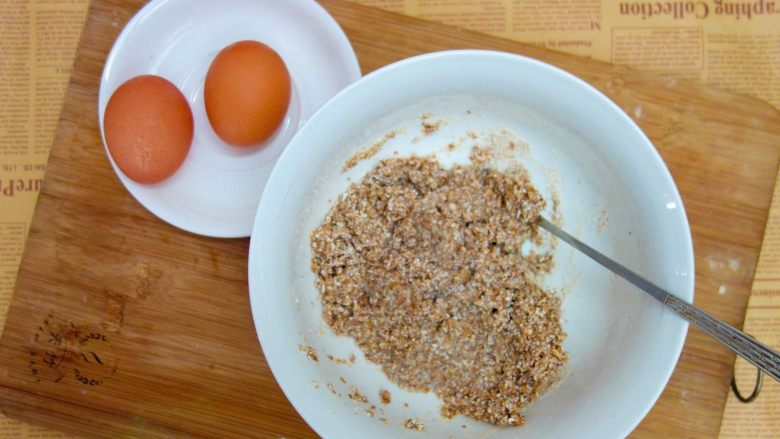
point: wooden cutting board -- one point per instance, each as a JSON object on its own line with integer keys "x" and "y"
{"x": 124, "y": 325}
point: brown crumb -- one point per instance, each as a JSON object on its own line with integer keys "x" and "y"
{"x": 351, "y": 358}
{"x": 406, "y": 404}
{"x": 472, "y": 134}
{"x": 431, "y": 127}
{"x": 367, "y": 153}
{"x": 338, "y": 360}
{"x": 332, "y": 388}
{"x": 422, "y": 266}
{"x": 310, "y": 352}
{"x": 343, "y": 380}
{"x": 371, "y": 411}
{"x": 384, "y": 421}
{"x": 355, "y": 395}
{"x": 448, "y": 412}
{"x": 384, "y": 396}
{"x": 481, "y": 156}
{"x": 425, "y": 116}
{"x": 413, "y": 424}
{"x": 451, "y": 146}
{"x": 315, "y": 384}
{"x": 462, "y": 425}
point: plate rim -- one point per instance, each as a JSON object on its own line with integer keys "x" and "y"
{"x": 223, "y": 230}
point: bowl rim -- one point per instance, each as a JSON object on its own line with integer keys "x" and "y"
{"x": 255, "y": 282}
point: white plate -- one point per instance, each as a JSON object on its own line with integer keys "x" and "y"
{"x": 217, "y": 189}
{"x": 623, "y": 346}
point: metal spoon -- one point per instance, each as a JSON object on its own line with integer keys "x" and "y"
{"x": 757, "y": 353}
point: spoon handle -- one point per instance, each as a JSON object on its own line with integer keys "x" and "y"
{"x": 747, "y": 347}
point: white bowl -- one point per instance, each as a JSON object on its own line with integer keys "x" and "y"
{"x": 615, "y": 193}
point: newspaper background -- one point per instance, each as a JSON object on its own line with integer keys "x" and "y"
{"x": 727, "y": 43}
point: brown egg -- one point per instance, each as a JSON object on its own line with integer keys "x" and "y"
{"x": 247, "y": 93}
{"x": 148, "y": 127}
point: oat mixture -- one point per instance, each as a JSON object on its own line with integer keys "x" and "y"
{"x": 367, "y": 153}
{"x": 355, "y": 395}
{"x": 413, "y": 424}
{"x": 423, "y": 267}
{"x": 384, "y": 396}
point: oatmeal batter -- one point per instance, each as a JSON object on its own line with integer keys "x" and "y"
{"x": 422, "y": 266}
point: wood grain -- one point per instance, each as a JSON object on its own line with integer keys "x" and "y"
{"x": 180, "y": 356}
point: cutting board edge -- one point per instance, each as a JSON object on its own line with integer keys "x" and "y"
{"x": 21, "y": 410}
